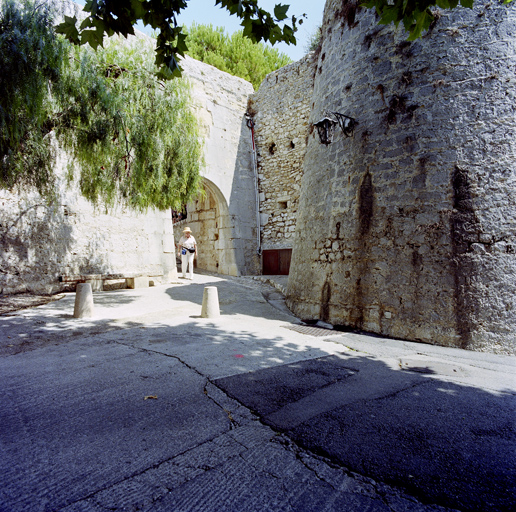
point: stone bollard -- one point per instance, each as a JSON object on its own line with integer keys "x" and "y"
{"x": 83, "y": 301}
{"x": 210, "y": 303}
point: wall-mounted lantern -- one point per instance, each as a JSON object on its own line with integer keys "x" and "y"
{"x": 347, "y": 124}
{"x": 326, "y": 126}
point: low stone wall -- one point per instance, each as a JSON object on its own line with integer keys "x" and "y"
{"x": 40, "y": 242}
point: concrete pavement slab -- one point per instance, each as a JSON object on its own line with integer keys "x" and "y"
{"x": 77, "y": 414}
{"x": 77, "y": 433}
{"x": 425, "y": 419}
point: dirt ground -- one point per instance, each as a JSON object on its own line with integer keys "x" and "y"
{"x": 11, "y": 303}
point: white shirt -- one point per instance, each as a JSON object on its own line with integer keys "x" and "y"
{"x": 188, "y": 243}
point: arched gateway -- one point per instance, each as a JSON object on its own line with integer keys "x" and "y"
{"x": 224, "y": 219}
{"x": 225, "y": 244}
{"x": 209, "y": 220}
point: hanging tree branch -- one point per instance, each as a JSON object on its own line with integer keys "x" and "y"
{"x": 108, "y": 17}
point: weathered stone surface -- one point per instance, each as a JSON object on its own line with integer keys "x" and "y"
{"x": 418, "y": 207}
{"x": 224, "y": 221}
{"x": 210, "y": 302}
{"x": 83, "y": 307}
{"x": 40, "y": 242}
{"x": 281, "y": 109}
{"x": 137, "y": 282}
{"x": 406, "y": 229}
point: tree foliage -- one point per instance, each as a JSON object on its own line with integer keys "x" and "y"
{"x": 133, "y": 137}
{"x": 234, "y": 53}
{"x": 314, "y": 40}
{"x": 108, "y": 17}
{"x": 416, "y": 15}
{"x": 31, "y": 56}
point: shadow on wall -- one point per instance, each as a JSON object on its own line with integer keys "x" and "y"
{"x": 226, "y": 228}
{"x": 37, "y": 245}
{"x": 243, "y": 207}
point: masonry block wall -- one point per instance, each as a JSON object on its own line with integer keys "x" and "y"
{"x": 407, "y": 229}
{"x": 281, "y": 109}
{"x": 38, "y": 243}
{"x": 224, "y": 221}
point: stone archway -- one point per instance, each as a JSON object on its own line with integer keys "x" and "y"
{"x": 209, "y": 218}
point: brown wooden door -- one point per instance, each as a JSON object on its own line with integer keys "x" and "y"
{"x": 276, "y": 262}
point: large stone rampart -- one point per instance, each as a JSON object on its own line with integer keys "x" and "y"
{"x": 40, "y": 243}
{"x": 408, "y": 228}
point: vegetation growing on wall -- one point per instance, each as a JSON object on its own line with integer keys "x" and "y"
{"x": 133, "y": 137}
{"x": 314, "y": 41}
{"x": 234, "y": 54}
{"x": 416, "y": 16}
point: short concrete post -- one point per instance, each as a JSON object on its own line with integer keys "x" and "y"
{"x": 83, "y": 301}
{"x": 210, "y": 303}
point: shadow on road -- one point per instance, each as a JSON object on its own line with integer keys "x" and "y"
{"x": 74, "y": 419}
{"x": 441, "y": 441}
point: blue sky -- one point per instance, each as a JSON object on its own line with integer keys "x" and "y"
{"x": 204, "y": 12}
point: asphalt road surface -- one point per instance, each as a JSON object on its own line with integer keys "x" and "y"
{"x": 149, "y": 407}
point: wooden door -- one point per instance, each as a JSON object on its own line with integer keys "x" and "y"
{"x": 276, "y": 262}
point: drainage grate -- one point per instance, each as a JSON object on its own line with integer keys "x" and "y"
{"x": 312, "y": 331}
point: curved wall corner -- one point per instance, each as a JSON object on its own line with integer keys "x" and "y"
{"x": 407, "y": 228}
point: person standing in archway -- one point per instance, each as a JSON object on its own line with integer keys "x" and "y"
{"x": 187, "y": 248}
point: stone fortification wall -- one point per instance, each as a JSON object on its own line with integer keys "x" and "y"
{"x": 281, "y": 109}
{"x": 224, "y": 220}
{"x": 39, "y": 243}
{"x": 408, "y": 228}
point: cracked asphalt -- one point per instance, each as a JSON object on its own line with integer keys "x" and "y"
{"x": 148, "y": 407}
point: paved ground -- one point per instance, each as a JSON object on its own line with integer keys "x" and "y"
{"x": 149, "y": 407}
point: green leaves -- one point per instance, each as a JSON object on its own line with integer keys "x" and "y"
{"x": 234, "y": 54}
{"x": 419, "y": 23}
{"x": 94, "y": 37}
{"x": 30, "y": 57}
{"x": 416, "y": 15}
{"x": 108, "y": 17}
{"x": 69, "y": 30}
{"x": 390, "y": 14}
{"x": 134, "y": 139}
{"x": 280, "y": 12}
